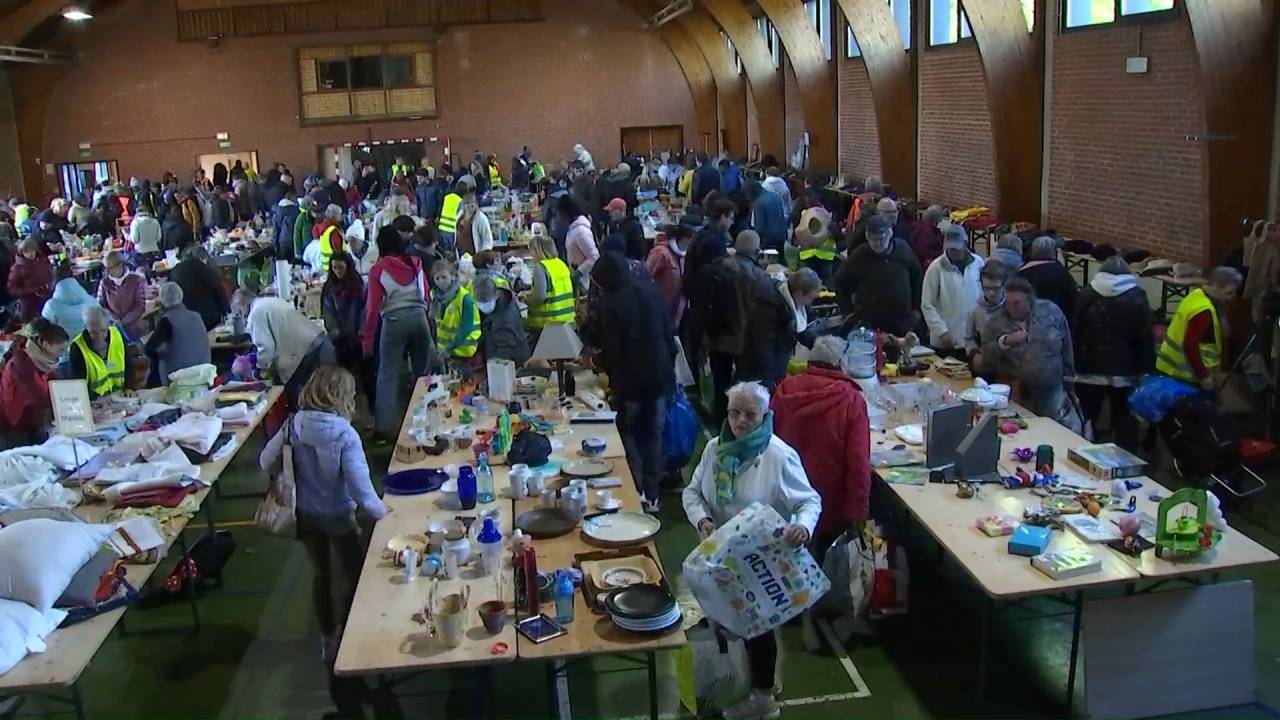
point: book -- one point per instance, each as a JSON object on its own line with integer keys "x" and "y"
{"x": 1091, "y": 529}
{"x": 1066, "y": 564}
{"x": 1108, "y": 461}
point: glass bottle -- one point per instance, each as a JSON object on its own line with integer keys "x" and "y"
{"x": 564, "y": 598}
{"x": 484, "y": 480}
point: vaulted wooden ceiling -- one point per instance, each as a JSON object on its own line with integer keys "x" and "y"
{"x": 1235, "y": 41}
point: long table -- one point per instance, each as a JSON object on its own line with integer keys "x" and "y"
{"x": 381, "y": 636}
{"x": 71, "y": 649}
{"x": 1006, "y": 579}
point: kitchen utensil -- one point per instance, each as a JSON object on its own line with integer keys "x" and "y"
{"x": 493, "y": 615}
{"x": 587, "y": 468}
{"x": 641, "y": 602}
{"x": 546, "y": 522}
{"x": 414, "y": 482}
{"x": 620, "y": 577}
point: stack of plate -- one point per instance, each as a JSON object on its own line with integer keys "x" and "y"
{"x": 643, "y": 608}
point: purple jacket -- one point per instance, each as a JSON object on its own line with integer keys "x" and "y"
{"x": 329, "y": 465}
{"x": 126, "y": 301}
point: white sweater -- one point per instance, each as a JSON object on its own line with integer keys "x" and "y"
{"x": 775, "y": 478}
{"x": 144, "y": 233}
{"x": 948, "y": 297}
{"x": 281, "y": 334}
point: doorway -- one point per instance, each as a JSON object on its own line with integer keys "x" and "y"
{"x": 80, "y": 177}
{"x": 340, "y": 158}
{"x": 209, "y": 163}
{"x": 651, "y": 140}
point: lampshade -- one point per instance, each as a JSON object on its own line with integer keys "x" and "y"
{"x": 557, "y": 342}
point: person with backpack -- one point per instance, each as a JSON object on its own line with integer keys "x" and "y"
{"x": 332, "y": 482}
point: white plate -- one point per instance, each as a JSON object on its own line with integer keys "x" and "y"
{"x": 922, "y": 351}
{"x": 912, "y": 434}
{"x": 623, "y": 528}
{"x": 587, "y": 468}
{"x": 611, "y": 504}
{"x": 622, "y": 577}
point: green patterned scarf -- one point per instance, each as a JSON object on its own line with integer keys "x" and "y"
{"x": 733, "y": 455}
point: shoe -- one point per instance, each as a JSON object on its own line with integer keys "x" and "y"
{"x": 328, "y": 649}
{"x": 759, "y": 705}
{"x": 649, "y": 506}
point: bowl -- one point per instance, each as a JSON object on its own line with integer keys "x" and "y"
{"x": 449, "y": 491}
{"x": 594, "y": 446}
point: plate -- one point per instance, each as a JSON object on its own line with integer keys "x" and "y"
{"x": 622, "y": 528}
{"x": 546, "y": 522}
{"x": 649, "y": 625}
{"x": 621, "y": 577}
{"x": 912, "y": 434}
{"x": 397, "y": 544}
{"x": 640, "y": 603}
{"x": 656, "y": 631}
{"x": 414, "y": 482}
{"x": 610, "y": 504}
{"x": 587, "y": 467}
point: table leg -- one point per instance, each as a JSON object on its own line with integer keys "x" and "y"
{"x": 481, "y": 686}
{"x": 984, "y": 646}
{"x": 77, "y": 701}
{"x": 1077, "y": 606}
{"x": 652, "y": 662}
{"x": 190, "y": 584}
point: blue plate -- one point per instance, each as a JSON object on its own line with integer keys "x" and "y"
{"x": 414, "y": 482}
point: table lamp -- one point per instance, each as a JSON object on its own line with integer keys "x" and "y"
{"x": 558, "y": 344}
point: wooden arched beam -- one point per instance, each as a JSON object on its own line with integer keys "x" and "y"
{"x": 730, "y": 86}
{"x": 813, "y": 74}
{"x": 766, "y": 81}
{"x": 1236, "y": 44}
{"x": 702, "y": 85}
{"x": 25, "y": 17}
{"x": 1012, "y": 60}
{"x": 891, "y": 70}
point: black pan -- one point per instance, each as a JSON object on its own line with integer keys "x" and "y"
{"x": 639, "y": 602}
{"x": 546, "y": 522}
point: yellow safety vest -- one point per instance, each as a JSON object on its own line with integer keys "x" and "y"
{"x": 399, "y": 170}
{"x": 495, "y": 175}
{"x": 557, "y": 308}
{"x": 104, "y": 377}
{"x": 326, "y": 249}
{"x": 449, "y": 213}
{"x": 1171, "y": 360}
{"x": 537, "y": 172}
{"x": 448, "y": 326}
{"x": 684, "y": 186}
{"x": 825, "y": 251}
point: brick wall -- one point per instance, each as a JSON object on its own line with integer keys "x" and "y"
{"x": 10, "y": 163}
{"x": 1120, "y": 168}
{"x": 793, "y": 109}
{"x": 956, "y": 166}
{"x": 154, "y": 104}
{"x": 859, "y": 143}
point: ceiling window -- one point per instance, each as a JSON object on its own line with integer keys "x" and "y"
{"x": 819, "y": 13}
{"x": 770, "y": 35}
{"x": 737, "y": 60}
{"x": 901, "y": 14}
{"x": 1084, "y": 13}
{"x": 949, "y": 24}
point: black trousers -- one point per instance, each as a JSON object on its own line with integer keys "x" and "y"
{"x": 762, "y": 661}
{"x": 1124, "y": 426}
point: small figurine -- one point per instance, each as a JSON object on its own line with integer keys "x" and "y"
{"x": 1024, "y": 454}
{"x": 965, "y": 490}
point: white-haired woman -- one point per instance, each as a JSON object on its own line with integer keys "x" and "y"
{"x": 747, "y": 463}
{"x": 179, "y": 340}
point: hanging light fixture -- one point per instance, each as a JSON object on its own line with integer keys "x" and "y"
{"x": 76, "y": 14}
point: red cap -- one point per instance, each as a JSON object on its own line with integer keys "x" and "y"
{"x": 616, "y": 204}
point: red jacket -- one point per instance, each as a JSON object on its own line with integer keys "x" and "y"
{"x": 31, "y": 282}
{"x": 24, "y": 392}
{"x": 822, "y": 414}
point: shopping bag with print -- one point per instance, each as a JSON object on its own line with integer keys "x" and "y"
{"x": 748, "y": 578}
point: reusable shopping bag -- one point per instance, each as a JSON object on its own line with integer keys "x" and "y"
{"x": 680, "y": 432}
{"x": 748, "y": 578}
{"x": 277, "y": 513}
{"x": 711, "y": 670}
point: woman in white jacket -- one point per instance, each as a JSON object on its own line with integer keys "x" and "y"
{"x": 747, "y": 463}
{"x": 951, "y": 290}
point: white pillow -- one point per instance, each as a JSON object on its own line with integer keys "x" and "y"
{"x": 39, "y": 557}
{"x": 22, "y": 630}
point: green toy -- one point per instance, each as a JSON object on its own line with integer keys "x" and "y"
{"x": 1186, "y": 535}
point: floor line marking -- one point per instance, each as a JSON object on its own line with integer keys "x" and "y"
{"x": 849, "y": 668}
{"x": 792, "y": 702}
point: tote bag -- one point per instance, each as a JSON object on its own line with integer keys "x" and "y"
{"x": 277, "y": 513}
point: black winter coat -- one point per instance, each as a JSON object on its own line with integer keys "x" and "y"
{"x": 1054, "y": 283}
{"x": 637, "y": 347}
{"x": 1112, "y": 335}
{"x": 202, "y": 291}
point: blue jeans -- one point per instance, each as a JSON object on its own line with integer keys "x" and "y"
{"x": 641, "y": 430}
{"x": 403, "y": 330}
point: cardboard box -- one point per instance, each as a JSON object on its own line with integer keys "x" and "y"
{"x": 1108, "y": 461}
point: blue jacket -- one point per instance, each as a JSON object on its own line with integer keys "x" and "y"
{"x": 329, "y": 465}
{"x": 66, "y": 307}
{"x": 769, "y": 219}
{"x": 731, "y": 181}
{"x": 283, "y": 218}
{"x": 428, "y": 198}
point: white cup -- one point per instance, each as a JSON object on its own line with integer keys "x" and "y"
{"x": 536, "y": 481}
{"x": 604, "y": 497}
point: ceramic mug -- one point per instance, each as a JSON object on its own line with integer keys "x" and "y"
{"x": 493, "y": 614}
{"x": 536, "y": 482}
{"x": 548, "y": 496}
{"x": 450, "y": 622}
{"x": 518, "y": 483}
{"x": 594, "y": 446}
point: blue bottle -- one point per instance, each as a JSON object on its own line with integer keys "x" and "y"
{"x": 484, "y": 480}
{"x": 467, "y": 487}
{"x": 564, "y": 598}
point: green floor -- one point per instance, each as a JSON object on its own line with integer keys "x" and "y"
{"x": 257, "y": 655}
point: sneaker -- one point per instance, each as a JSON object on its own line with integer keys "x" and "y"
{"x": 759, "y": 705}
{"x": 649, "y": 506}
{"x": 328, "y": 649}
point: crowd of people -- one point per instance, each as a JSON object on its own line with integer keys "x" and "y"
{"x": 412, "y": 272}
